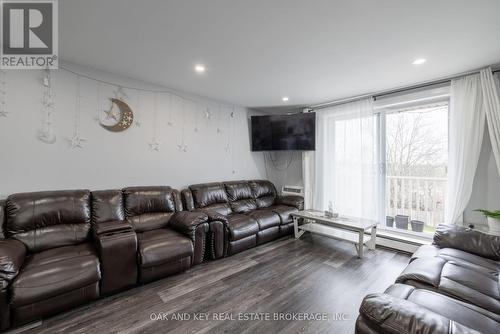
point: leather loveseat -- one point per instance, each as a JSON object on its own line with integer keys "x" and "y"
{"x": 60, "y": 249}
{"x": 451, "y": 286}
{"x": 242, "y": 214}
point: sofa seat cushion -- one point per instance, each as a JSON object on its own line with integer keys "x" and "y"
{"x": 241, "y": 226}
{"x": 161, "y": 246}
{"x": 265, "y": 218}
{"x": 463, "y": 282}
{"x": 54, "y": 272}
{"x": 284, "y": 211}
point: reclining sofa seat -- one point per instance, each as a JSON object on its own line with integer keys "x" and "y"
{"x": 451, "y": 286}
{"x": 242, "y": 214}
{"x": 60, "y": 249}
{"x": 169, "y": 240}
{"x": 49, "y": 262}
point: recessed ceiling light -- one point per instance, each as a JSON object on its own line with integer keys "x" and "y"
{"x": 199, "y": 68}
{"x": 419, "y": 61}
{"x": 285, "y": 99}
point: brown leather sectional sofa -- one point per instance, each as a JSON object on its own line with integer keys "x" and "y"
{"x": 242, "y": 214}
{"x": 60, "y": 249}
{"x": 451, "y": 286}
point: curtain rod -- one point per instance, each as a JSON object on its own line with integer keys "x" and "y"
{"x": 395, "y": 90}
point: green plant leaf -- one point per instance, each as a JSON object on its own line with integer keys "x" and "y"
{"x": 487, "y": 213}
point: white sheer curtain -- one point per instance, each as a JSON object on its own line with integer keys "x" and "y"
{"x": 491, "y": 95}
{"x": 466, "y": 128}
{"x": 344, "y": 167}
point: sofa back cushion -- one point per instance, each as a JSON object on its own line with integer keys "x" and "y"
{"x": 467, "y": 240}
{"x": 107, "y": 205}
{"x": 49, "y": 219}
{"x": 240, "y": 196}
{"x": 264, "y": 192}
{"x": 150, "y": 208}
{"x": 210, "y": 196}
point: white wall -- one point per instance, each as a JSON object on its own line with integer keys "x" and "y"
{"x": 114, "y": 160}
{"x": 278, "y": 172}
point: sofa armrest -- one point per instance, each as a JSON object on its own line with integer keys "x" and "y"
{"x": 187, "y": 199}
{"x": 291, "y": 200}
{"x": 218, "y": 229}
{"x": 215, "y": 216}
{"x": 468, "y": 240}
{"x": 12, "y": 255}
{"x": 111, "y": 227}
{"x": 186, "y": 222}
{"x": 195, "y": 225}
{"x": 388, "y": 314}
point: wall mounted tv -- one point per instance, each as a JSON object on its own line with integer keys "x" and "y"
{"x": 295, "y": 132}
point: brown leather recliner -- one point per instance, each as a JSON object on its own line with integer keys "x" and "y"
{"x": 169, "y": 241}
{"x": 55, "y": 246}
{"x": 451, "y": 286}
{"x": 51, "y": 263}
{"x": 242, "y": 214}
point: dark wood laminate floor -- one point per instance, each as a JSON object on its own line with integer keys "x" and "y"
{"x": 311, "y": 275}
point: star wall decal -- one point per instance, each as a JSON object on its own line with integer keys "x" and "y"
{"x": 120, "y": 93}
{"x": 154, "y": 144}
{"x": 4, "y": 113}
{"x": 208, "y": 114}
{"x": 182, "y": 147}
{"x": 76, "y": 141}
{"x": 138, "y": 123}
{"x": 46, "y": 137}
{"x": 111, "y": 114}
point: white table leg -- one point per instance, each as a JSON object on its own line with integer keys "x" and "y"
{"x": 360, "y": 244}
{"x": 296, "y": 230}
{"x": 373, "y": 241}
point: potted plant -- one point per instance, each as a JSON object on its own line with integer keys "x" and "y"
{"x": 389, "y": 221}
{"x": 417, "y": 226}
{"x": 493, "y": 218}
{"x": 402, "y": 222}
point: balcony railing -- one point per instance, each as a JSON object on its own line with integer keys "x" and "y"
{"x": 420, "y": 198}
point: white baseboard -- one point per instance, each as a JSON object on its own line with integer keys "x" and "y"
{"x": 397, "y": 244}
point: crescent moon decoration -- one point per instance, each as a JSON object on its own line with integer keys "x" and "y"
{"x": 125, "y": 117}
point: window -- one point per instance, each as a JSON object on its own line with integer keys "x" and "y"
{"x": 385, "y": 160}
{"x": 416, "y": 162}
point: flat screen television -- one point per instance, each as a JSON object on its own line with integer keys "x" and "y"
{"x": 295, "y": 132}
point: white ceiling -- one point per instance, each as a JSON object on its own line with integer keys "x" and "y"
{"x": 257, "y": 51}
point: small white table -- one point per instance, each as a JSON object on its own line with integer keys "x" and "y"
{"x": 346, "y": 228}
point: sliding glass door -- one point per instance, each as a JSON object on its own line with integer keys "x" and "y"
{"x": 414, "y": 152}
{"x": 381, "y": 161}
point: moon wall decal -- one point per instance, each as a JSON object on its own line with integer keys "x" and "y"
{"x": 126, "y": 117}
